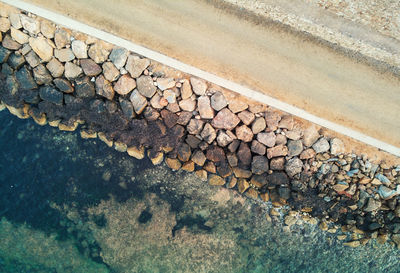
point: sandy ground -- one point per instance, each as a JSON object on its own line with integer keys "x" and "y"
{"x": 288, "y": 67}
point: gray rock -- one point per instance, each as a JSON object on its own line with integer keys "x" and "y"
{"x": 16, "y": 60}
{"x": 42, "y": 75}
{"x": 293, "y": 166}
{"x": 208, "y": 134}
{"x": 124, "y": 85}
{"x": 42, "y": 48}
{"x": 55, "y": 67}
{"x": 258, "y": 125}
{"x": 30, "y": 24}
{"x": 310, "y": 136}
{"x": 9, "y": 43}
{"x": 31, "y": 97}
{"x": 321, "y": 146}
{"x": 295, "y": 147}
{"x": 135, "y": 65}
{"x": 165, "y": 83}
{"x": 170, "y": 96}
{"x": 51, "y": 94}
{"x": 72, "y": 71}
{"x": 111, "y": 73}
{"x": 4, "y": 54}
{"x": 258, "y": 148}
{"x": 259, "y": 165}
{"x": 79, "y": 48}
{"x": 372, "y": 205}
{"x": 84, "y": 88}
{"x": 118, "y": 57}
{"x": 127, "y": 108}
{"x": 64, "y": 54}
{"x": 199, "y": 86}
{"x": 218, "y": 101}
{"x": 225, "y": 119}
{"x": 104, "y": 88}
{"x": 32, "y": 59}
{"x": 90, "y": 68}
{"x": 61, "y": 38}
{"x": 25, "y": 79}
{"x": 204, "y": 106}
{"x": 337, "y": 146}
{"x": 146, "y": 86}
{"x": 139, "y": 102}
{"x": 268, "y": 139}
{"x": 193, "y": 141}
{"x": 63, "y": 85}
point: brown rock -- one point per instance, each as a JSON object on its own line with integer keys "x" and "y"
{"x": 61, "y": 38}
{"x": 173, "y": 163}
{"x": 146, "y": 86}
{"x": 169, "y": 118}
{"x": 234, "y": 145}
{"x": 110, "y": 72}
{"x": 210, "y": 167}
{"x": 224, "y": 170}
{"x": 272, "y": 119}
{"x": 4, "y": 24}
{"x": 307, "y": 154}
{"x": 199, "y": 158}
{"x": 41, "y": 48}
{"x": 202, "y": 174}
{"x": 32, "y": 59}
{"x": 310, "y": 136}
{"x": 244, "y": 133}
{"x": 195, "y": 126}
{"x": 186, "y": 90}
{"x": 98, "y": 53}
{"x": 199, "y": 86}
{"x": 158, "y": 102}
{"x": 138, "y": 101}
{"x": 9, "y": 43}
{"x": 215, "y": 154}
{"x": 55, "y": 67}
{"x": 268, "y": 139}
{"x": 244, "y": 154}
{"x": 237, "y": 105}
{"x": 72, "y": 71}
{"x": 259, "y": 165}
{"x": 188, "y": 166}
{"x": 184, "y": 152}
{"x": 150, "y": 114}
{"x": 252, "y": 193}
{"x": 165, "y": 83}
{"x": 188, "y": 104}
{"x": 225, "y": 119}
{"x": 193, "y": 141}
{"x": 280, "y": 139}
{"x": 64, "y": 54}
{"x": 276, "y": 151}
{"x": 136, "y": 152}
{"x": 258, "y": 148}
{"x": 286, "y": 122}
{"x": 135, "y": 65}
{"x": 232, "y": 182}
{"x": 241, "y": 173}
{"x": 90, "y": 68}
{"x": 277, "y": 163}
{"x": 104, "y": 88}
{"x": 243, "y": 185}
{"x": 258, "y": 125}
{"x": 124, "y": 85}
{"x": 246, "y": 117}
{"x": 208, "y": 133}
{"x": 223, "y": 139}
{"x": 293, "y": 135}
{"x": 184, "y": 118}
{"x": 257, "y": 108}
{"x": 205, "y": 110}
{"x": 216, "y": 180}
{"x": 232, "y": 159}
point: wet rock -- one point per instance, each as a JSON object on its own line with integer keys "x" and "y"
{"x": 184, "y": 152}
{"x": 188, "y": 104}
{"x": 225, "y": 119}
{"x": 295, "y": 147}
{"x": 55, "y": 67}
{"x": 205, "y": 110}
{"x": 9, "y": 43}
{"x": 277, "y": 164}
{"x": 64, "y": 54}
{"x": 184, "y": 118}
{"x": 48, "y": 29}
{"x": 42, "y": 75}
{"x": 138, "y": 101}
{"x": 387, "y": 193}
{"x": 286, "y": 122}
{"x": 277, "y": 151}
{"x": 195, "y": 126}
{"x": 277, "y": 179}
{"x": 372, "y": 205}
{"x": 199, "y": 86}
{"x": 165, "y": 83}
{"x": 104, "y": 88}
{"x": 16, "y": 60}
{"x": 337, "y": 146}
{"x": 246, "y": 117}
{"x": 268, "y": 139}
{"x": 258, "y": 125}
{"x": 61, "y": 38}
{"x": 244, "y": 154}
{"x": 63, "y": 85}
{"x": 156, "y": 158}
{"x": 98, "y": 53}
{"x": 244, "y": 133}
{"x": 150, "y": 114}
{"x": 272, "y": 119}
{"x": 30, "y": 24}
{"x": 170, "y": 119}
{"x": 340, "y": 187}
{"x": 258, "y": 148}
{"x": 4, "y": 54}
{"x": 216, "y": 180}
{"x": 79, "y": 48}
{"x": 124, "y": 85}
{"x": 293, "y": 166}
{"x": 259, "y": 165}
{"x": 4, "y": 24}
{"x": 41, "y": 48}
{"x": 32, "y": 59}
{"x": 51, "y": 94}
{"x": 19, "y": 36}
{"x": 136, "y": 152}
{"x": 135, "y": 65}
{"x": 215, "y": 154}
{"x": 218, "y": 101}
{"x": 84, "y": 88}
{"x": 284, "y": 193}
{"x": 307, "y": 154}
{"x": 210, "y": 167}
{"x": 193, "y": 141}
{"x": 145, "y": 86}
{"x": 90, "y": 68}
{"x": 310, "y": 136}
{"x": 6, "y": 69}
{"x": 223, "y": 139}
{"x": 321, "y": 146}
{"x": 234, "y": 145}
{"x": 118, "y": 57}
{"x": 25, "y": 79}
{"x": 173, "y": 163}
{"x": 224, "y": 170}
{"x": 243, "y": 185}
{"x": 199, "y": 158}
{"x": 110, "y": 72}
{"x": 208, "y": 133}
{"x": 72, "y": 71}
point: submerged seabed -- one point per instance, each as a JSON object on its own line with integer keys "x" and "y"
{"x": 73, "y": 205}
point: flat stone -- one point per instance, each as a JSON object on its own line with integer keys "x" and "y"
{"x": 184, "y": 117}
{"x": 30, "y": 24}
{"x": 372, "y": 205}
{"x": 310, "y": 136}
{"x": 307, "y": 154}
{"x": 337, "y": 146}
{"x": 64, "y": 54}
{"x": 55, "y": 67}
{"x": 90, "y": 68}
{"x": 51, "y": 94}
{"x": 223, "y": 139}
{"x": 165, "y": 83}
{"x": 135, "y": 65}
{"x": 258, "y": 125}
{"x": 268, "y": 139}
{"x": 208, "y": 133}
{"x": 104, "y": 88}
{"x": 25, "y": 79}
{"x": 6, "y": 69}
{"x": 127, "y": 108}
{"x": 16, "y": 60}
{"x": 118, "y": 57}
{"x": 186, "y": 90}
{"x": 293, "y": 135}
{"x": 244, "y": 154}
{"x": 169, "y": 118}
{"x": 199, "y": 158}
{"x": 32, "y": 59}
{"x": 246, "y": 117}
{"x": 61, "y": 38}
{"x": 257, "y": 108}
{"x": 84, "y": 88}
{"x": 232, "y": 147}
{"x": 188, "y": 104}
{"x": 79, "y": 48}
{"x": 26, "y": 48}
{"x": 111, "y": 73}
{"x": 139, "y": 102}
{"x": 259, "y": 165}
{"x": 321, "y": 146}
{"x": 98, "y": 53}
{"x": 295, "y": 147}
{"x": 241, "y": 173}
{"x": 272, "y": 118}
{"x": 224, "y": 170}
{"x": 293, "y": 166}
{"x": 47, "y": 29}
{"x": 216, "y": 180}
{"x": 244, "y": 133}
{"x": 9, "y": 43}
{"x": 237, "y": 105}
{"x": 4, "y": 24}
{"x": 199, "y": 86}
{"x": 225, "y": 119}
{"x": 218, "y": 101}
{"x": 15, "y": 20}
{"x": 276, "y": 151}
{"x": 42, "y": 75}
{"x": 4, "y": 54}
{"x": 63, "y": 85}
{"x": 277, "y": 164}
{"x": 124, "y": 85}
{"x": 170, "y": 96}
{"x": 286, "y": 122}
{"x": 19, "y": 36}
{"x": 195, "y": 126}
{"x": 146, "y": 86}
{"x": 258, "y": 148}
{"x": 215, "y": 154}
{"x": 204, "y": 106}
{"x": 41, "y": 48}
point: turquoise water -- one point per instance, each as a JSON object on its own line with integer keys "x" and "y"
{"x": 73, "y": 205}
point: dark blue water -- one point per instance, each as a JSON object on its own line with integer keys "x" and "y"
{"x": 73, "y": 205}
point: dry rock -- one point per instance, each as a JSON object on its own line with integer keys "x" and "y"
{"x": 277, "y": 164}
{"x": 184, "y": 117}
{"x": 9, "y": 43}
{"x": 111, "y": 73}
{"x": 195, "y": 126}
{"x": 32, "y": 59}
{"x": 268, "y": 139}
{"x": 72, "y": 71}
{"x": 156, "y": 102}
{"x": 244, "y": 133}
{"x": 170, "y": 96}
{"x": 237, "y": 105}
{"x": 293, "y": 166}
{"x": 47, "y": 29}
{"x": 90, "y": 68}
{"x": 295, "y": 147}
{"x": 30, "y": 24}
{"x": 124, "y": 85}
{"x": 4, "y": 24}
{"x": 293, "y": 135}
{"x": 203, "y": 104}
{"x": 218, "y": 101}
{"x": 272, "y": 119}
{"x": 258, "y": 148}
{"x": 135, "y": 65}
{"x": 64, "y": 55}
{"x": 173, "y": 163}
{"x": 98, "y": 53}
{"x": 188, "y": 104}
{"x": 199, "y": 86}
{"x": 276, "y": 151}
{"x": 208, "y": 133}
{"x": 61, "y": 38}
{"x": 321, "y": 146}
{"x": 41, "y": 48}
{"x": 246, "y": 117}
{"x": 216, "y": 180}
{"x": 118, "y": 57}
{"x": 280, "y": 139}
{"x": 223, "y": 139}
{"x": 146, "y": 86}
{"x": 15, "y": 20}
{"x": 186, "y": 90}
{"x": 307, "y": 154}
{"x": 19, "y": 36}
{"x": 258, "y": 125}
{"x": 104, "y": 88}
{"x": 286, "y": 122}
{"x": 337, "y": 146}
{"x": 55, "y": 67}
{"x": 310, "y": 136}
{"x": 79, "y": 48}
{"x": 193, "y": 141}
{"x": 215, "y": 154}
{"x": 139, "y": 102}
{"x": 165, "y": 83}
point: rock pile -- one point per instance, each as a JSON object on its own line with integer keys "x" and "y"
{"x": 64, "y": 79}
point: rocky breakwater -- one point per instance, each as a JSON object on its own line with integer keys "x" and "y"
{"x": 66, "y": 79}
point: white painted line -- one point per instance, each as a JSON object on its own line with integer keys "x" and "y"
{"x": 258, "y": 96}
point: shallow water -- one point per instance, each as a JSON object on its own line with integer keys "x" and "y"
{"x": 73, "y": 205}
